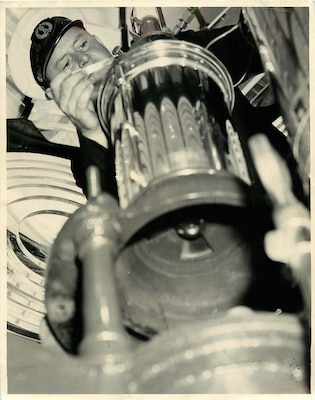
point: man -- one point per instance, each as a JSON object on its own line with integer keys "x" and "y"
{"x": 59, "y": 48}
{"x": 60, "y": 51}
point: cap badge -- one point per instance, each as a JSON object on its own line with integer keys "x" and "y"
{"x": 43, "y": 30}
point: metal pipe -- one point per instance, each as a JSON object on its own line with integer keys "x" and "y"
{"x": 183, "y": 21}
{"x": 217, "y": 19}
{"x": 124, "y": 29}
{"x": 105, "y": 344}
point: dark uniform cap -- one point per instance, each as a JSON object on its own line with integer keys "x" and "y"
{"x": 44, "y": 39}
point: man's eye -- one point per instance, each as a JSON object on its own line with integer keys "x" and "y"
{"x": 67, "y": 65}
{"x": 83, "y": 45}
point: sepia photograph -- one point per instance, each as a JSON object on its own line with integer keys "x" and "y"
{"x": 157, "y": 199}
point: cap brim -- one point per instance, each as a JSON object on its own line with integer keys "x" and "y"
{"x": 19, "y": 48}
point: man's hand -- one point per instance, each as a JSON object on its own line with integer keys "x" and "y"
{"x": 72, "y": 92}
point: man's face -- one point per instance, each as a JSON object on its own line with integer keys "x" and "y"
{"x": 75, "y": 50}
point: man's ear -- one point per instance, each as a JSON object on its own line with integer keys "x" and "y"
{"x": 48, "y": 94}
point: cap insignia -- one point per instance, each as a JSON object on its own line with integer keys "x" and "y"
{"x": 43, "y": 30}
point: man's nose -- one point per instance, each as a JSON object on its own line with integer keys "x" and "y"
{"x": 83, "y": 60}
